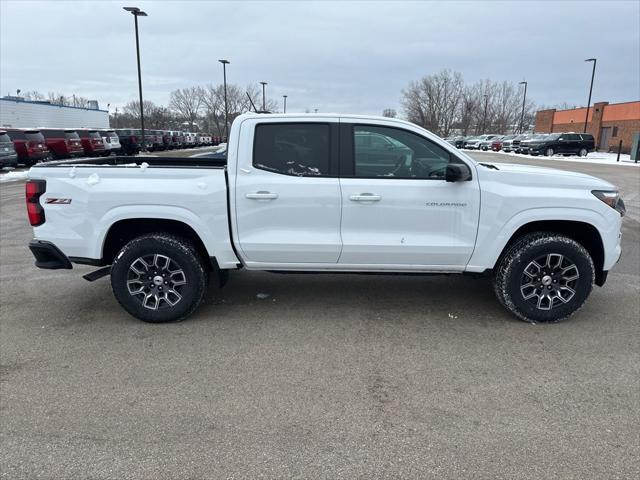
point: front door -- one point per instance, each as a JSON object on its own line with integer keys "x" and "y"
{"x": 398, "y": 210}
{"x": 287, "y": 202}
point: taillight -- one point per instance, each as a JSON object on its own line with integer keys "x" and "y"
{"x": 33, "y": 191}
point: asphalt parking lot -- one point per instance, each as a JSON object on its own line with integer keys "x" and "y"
{"x": 328, "y": 376}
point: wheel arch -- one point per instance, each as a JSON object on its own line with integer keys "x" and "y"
{"x": 582, "y": 232}
{"x": 125, "y": 230}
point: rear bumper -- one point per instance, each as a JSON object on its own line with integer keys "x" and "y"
{"x": 48, "y": 256}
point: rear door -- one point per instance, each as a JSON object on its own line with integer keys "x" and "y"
{"x": 401, "y": 213}
{"x": 287, "y": 194}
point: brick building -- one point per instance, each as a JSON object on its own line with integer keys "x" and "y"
{"x": 608, "y": 123}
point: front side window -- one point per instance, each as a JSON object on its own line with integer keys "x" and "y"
{"x": 300, "y": 149}
{"x": 397, "y": 153}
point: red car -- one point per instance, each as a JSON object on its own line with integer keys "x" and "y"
{"x": 29, "y": 144}
{"x": 63, "y": 143}
{"x": 496, "y": 145}
{"x": 91, "y": 142}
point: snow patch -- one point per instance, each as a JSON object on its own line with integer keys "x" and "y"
{"x": 144, "y": 166}
{"x": 14, "y": 176}
{"x": 262, "y": 296}
{"x": 72, "y": 172}
{"x": 93, "y": 179}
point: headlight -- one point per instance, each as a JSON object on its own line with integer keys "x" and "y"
{"x": 611, "y": 198}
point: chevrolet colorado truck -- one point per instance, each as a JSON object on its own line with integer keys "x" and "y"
{"x": 325, "y": 193}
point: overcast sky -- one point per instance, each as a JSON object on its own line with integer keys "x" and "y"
{"x": 334, "y": 56}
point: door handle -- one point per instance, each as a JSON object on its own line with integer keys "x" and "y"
{"x": 365, "y": 197}
{"x": 262, "y": 195}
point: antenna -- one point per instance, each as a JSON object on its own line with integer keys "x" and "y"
{"x": 251, "y": 101}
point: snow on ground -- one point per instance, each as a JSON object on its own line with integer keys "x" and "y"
{"x": 594, "y": 157}
{"x": 13, "y": 176}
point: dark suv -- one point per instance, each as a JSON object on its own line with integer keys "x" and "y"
{"x": 92, "y": 142}
{"x": 129, "y": 141}
{"x": 8, "y": 155}
{"x": 62, "y": 143}
{"x": 30, "y": 146}
{"x": 563, "y": 143}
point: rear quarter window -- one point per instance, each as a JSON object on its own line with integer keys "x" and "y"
{"x": 34, "y": 136}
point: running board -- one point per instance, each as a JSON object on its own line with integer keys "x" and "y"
{"x": 101, "y": 272}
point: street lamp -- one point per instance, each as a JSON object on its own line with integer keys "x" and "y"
{"x": 484, "y": 115}
{"x": 524, "y": 99}
{"x": 136, "y": 12}
{"x": 264, "y": 108}
{"x": 226, "y": 109}
{"x": 593, "y": 74}
{"x": 285, "y": 103}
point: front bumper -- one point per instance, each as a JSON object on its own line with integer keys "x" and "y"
{"x": 48, "y": 256}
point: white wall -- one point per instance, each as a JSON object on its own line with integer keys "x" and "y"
{"x": 29, "y": 115}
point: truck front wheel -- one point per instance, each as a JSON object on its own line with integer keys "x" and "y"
{"x": 159, "y": 278}
{"x": 544, "y": 277}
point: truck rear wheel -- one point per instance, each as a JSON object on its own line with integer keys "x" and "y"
{"x": 544, "y": 277}
{"x": 159, "y": 278}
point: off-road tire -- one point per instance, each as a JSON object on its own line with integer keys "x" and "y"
{"x": 509, "y": 275}
{"x": 183, "y": 256}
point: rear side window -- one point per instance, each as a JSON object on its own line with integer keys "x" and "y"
{"x": 52, "y": 133}
{"x": 300, "y": 149}
{"x": 589, "y": 137}
{"x": 34, "y": 136}
{"x": 16, "y": 135}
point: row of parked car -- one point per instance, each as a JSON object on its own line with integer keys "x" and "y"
{"x": 548, "y": 144}
{"x": 33, "y": 145}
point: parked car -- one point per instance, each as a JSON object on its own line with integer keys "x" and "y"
{"x": 292, "y": 195}
{"x": 525, "y": 145}
{"x": 470, "y": 142}
{"x": 166, "y": 139}
{"x": 129, "y": 139}
{"x": 456, "y": 141}
{"x": 496, "y": 144}
{"x": 62, "y": 143}
{"x": 111, "y": 142}
{"x": 8, "y": 155}
{"x": 515, "y": 143}
{"x": 474, "y": 143}
{"x": 29, "y": 144}
{"x": 189, "y": 140}
{"x": 563, "y": 143}
{"x": 486, "y": 143}
{"x": 91, "y": 142}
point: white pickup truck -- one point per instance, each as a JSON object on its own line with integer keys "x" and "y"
{"x": 325, "y": 193}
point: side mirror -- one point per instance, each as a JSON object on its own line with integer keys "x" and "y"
{"x": 457, "y": 172}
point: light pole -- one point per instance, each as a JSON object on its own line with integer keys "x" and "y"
{"x": 226, "y": 108}
{"x": 264, "y": 108}
{"x": 136, "y": 12}
{"x": 285, "y": 103}
{"x": 524, "y": 99}
{"x": 484, "y": 115}
{"x": 593, "y": 74}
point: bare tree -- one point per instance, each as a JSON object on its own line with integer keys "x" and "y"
{"x": 443, "y": 103}
{"x": 389, "y": 113}
{"x": 187, "y": 102}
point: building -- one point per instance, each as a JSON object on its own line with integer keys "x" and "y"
{"x": 608, "y": 123}
{"x": 16, "y": 112}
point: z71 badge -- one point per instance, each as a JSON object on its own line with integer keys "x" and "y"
{"x": 58, "y": 201}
